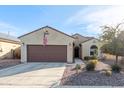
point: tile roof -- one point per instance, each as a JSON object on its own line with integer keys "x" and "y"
{"x": 83, "y": 36}
{"x": 86, "y": 38}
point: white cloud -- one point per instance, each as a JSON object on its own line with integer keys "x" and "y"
{"x": 94, "y": 17}
{"x": 5, "y": 28}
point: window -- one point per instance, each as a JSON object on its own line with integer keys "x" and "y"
{"x": 93, "y": 50}
{"x": 91, "y": 53}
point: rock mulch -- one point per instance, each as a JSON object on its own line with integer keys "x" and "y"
{"x": 91, "y": 78}
{"x": 9, "y": 62}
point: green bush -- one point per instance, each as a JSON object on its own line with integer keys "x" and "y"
{"x": 90, "y": 66}
{"x": 93, "y": 58}
{"x": 93, "y": 61}
{"x": 78, "y": 66}
{"x": 116, "y": 68}
{"x": 90, "y": 58}
{"x": 108, "y": 73}
{"x": 87, "y": 58}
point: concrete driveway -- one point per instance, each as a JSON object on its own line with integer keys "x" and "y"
{"x": 32, "y": 74}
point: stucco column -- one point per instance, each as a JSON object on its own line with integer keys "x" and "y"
{"x": 70, "y": 53}
{"x": 24, "y": 53}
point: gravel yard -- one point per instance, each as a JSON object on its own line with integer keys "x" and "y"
{"x": 91, "y": 78}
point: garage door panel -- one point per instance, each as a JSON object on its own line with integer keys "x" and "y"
{"x": 39, "y": 53}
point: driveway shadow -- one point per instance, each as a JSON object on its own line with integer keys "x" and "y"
{"x": 28, "y": 67}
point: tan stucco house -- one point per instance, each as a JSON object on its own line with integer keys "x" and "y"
{"x": 58, "y": 47}
{"x": 9, "y": 46}
{"x": 86, "y": 46}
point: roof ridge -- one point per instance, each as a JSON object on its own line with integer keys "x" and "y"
{"x": 46, "y": 27}
{"x": 59, "y": 31}
{"x": 90, "y": 39}
{"x": 77, "y": 34}
{"x": 82, "y": 35}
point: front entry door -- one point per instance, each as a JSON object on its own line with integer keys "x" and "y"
{"x": 76, "y": 52}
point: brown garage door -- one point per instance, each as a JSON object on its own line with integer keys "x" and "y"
{"x": 49, "y": 53}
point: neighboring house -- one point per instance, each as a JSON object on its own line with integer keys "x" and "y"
{"x": 86, "y": 46}
{"x": 8, "y": 46}
{"x": 47, "y": 44}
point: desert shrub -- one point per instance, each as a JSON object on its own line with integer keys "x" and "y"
{"x": 90, "y": 66}
{"x": 93, "y": 57}
{"x": 78, "y": 66}
{"x": 17, "y": 53}
{"x": 108, "y": 73}
{"x": 87, "y": 58}
{"x": 93, "y": 61}
{"x": 90, "y": 58}
{"x": 116, "y": 68}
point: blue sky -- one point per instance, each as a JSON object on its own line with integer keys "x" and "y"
{"x": 84, "y": 20}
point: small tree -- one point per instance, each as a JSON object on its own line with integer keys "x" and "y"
{"x": 113, "y": 38}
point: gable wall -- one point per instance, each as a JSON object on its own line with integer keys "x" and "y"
{"x": 86, "y": 47}
{"x": 79, "y": 40}
{"x": 54, "y": 38}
